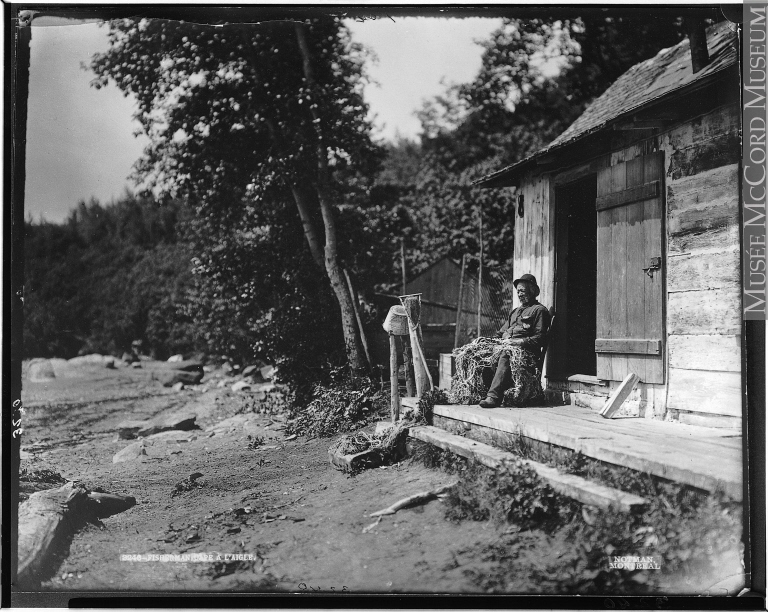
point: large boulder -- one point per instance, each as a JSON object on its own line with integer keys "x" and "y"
{"x": 168, "y": 378}
{"x": 41, "y": 371}
{"x": 175, "y": 358}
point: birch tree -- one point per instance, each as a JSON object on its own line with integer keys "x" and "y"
{"x": 250, "y": 115}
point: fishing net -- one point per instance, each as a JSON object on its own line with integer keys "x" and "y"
{"x": 357, "y": 442}
{"x": 468, "y": 386}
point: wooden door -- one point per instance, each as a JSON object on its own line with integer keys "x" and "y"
{"x": 630, "y": 326}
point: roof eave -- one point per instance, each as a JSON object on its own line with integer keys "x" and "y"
{"x": 510, "y": 175}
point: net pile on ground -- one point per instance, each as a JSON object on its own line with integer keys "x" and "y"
{"x": 350, "y": 444}
{"x": 468, "y": 386}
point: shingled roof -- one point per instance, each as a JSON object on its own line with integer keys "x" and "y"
{"x": 668, "y": 71}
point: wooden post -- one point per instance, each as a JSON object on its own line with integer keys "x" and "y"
{"x": 460, "y": 304}
{"x": 356, "y": 308}
{"x": 410, "y": 386}
{"x": 402, "y": 262}
{"x": 395, "y": 392}
{"x": 413, "y": 311}
{"x": 480, "y": 277}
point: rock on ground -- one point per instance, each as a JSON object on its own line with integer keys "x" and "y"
{"x": 41, "y": 371}
{"x": 130, "y": 453}
{"x": 141, "y": 429}
{"x": 168, "y": 378}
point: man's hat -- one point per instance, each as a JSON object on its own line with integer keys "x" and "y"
{"x": 528, "y": 278}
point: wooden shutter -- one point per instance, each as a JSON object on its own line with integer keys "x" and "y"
{"x": 630, "y": 327}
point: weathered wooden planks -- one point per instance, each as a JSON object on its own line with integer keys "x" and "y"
{"x": 705, "y": 352}
{"x": 704, "y": 312}
{"x": 703, "y": 270}
{"x": 713, "y": 239}
{"x": 703, "y": 202}
{"x": 618, "y": 397}
{"x": 628, "y": 195}
{"x": 711, "y": 392}
{"x": 636, "y": 346}
{"x": 572, "y": 486}
{"x": 534, "y": 237}
{"x": 629, "y": 302}
{"x": 678, "y": 452}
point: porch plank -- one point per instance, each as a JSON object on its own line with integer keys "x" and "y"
{"x": 570, "y": 485}
{"x": 677, "y": 452}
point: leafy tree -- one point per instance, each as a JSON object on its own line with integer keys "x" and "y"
{"x": 250, "y": 116}
{"x": 537, "y": 76}
{"x": 107, "y": 276}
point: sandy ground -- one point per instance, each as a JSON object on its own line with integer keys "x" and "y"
{"x": 267, "y": 510}
{"x": 298, "y": 522}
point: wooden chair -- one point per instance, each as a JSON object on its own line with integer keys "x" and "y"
{"x": 546, "y": 342}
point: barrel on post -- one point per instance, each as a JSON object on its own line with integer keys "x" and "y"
{"x": 396, "y": 324}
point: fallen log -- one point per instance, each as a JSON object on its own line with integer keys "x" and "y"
{"x": 128, "y": 430}
{"x": 418, "y": 498}
{"x": 49, "y": 518}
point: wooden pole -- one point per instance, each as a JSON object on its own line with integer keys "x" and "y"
{"x": 356, "y": 308}
{"x": 457, "y": 333}
{"x": 394, "y": 391}
{"x": 410, "y": 386}
{"x": 423, "y": 377}
{"x": 402, "y": 262}
{"x": 480, "y": 276}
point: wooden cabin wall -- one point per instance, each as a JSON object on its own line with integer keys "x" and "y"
{"x": 703, "y": 270}
{"x": 535, "y": 237}
{"x": 438, "y": 283}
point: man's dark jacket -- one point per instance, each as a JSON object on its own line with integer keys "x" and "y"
{"x": 530, "y": 324}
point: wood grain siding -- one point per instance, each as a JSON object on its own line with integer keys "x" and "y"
{"x": 705, "y": 352}
{"x": 712, "y": 239}
{"x": 632, "y": 346}
{"x": 535, "y": 236}
{"x": 703, "y": 269}
{"x": 633, "y": 194}
{"x": 713, "y": 393}
{"x": 704, "y": 201}
{"x": 704, "y": 312}
{"x": 629, "y": 234}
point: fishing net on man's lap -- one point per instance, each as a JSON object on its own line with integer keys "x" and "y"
{"x": 468, "y": 386}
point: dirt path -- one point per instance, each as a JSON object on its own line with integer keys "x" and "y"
{"x": 298, "y": 522}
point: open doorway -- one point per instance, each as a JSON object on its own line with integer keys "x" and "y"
{"x": 576, "y": 300}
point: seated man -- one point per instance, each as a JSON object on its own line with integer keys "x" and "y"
{"x": 526, "y": 328}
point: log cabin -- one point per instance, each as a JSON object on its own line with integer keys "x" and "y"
{"x": 630, "y": 220}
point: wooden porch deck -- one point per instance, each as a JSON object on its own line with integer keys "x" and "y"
{"x": 702, "y": 457}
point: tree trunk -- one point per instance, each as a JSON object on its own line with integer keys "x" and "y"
{"x": 332, "y": 267}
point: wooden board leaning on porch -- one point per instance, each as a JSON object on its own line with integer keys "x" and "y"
{"x": 619, "y": 396}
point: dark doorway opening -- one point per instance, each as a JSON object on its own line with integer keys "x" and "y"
{"x": 576, "y": 277}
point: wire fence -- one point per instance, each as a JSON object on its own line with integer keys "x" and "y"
{"x": 494, "y": 307}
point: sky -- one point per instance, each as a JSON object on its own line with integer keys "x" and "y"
{"x": 81, "y": 142}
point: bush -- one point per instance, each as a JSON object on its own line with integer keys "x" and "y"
{"x": 348, "y": 403}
